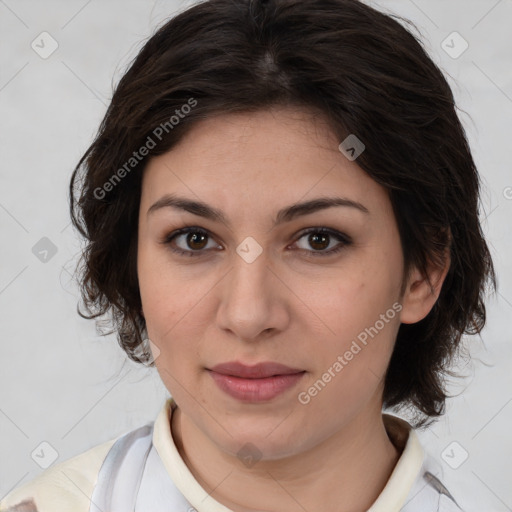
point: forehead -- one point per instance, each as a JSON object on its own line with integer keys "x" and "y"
{"x": 279, "y": 156}
{"x": 269, "y": 134}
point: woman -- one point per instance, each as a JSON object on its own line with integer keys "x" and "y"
{"x": 281, "y": 211}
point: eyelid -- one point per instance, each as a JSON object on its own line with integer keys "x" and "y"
{"x": 168, "y": 238}
{"x": 342, "y": 238}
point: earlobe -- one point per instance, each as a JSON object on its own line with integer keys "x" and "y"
{"x": 420, "y": 295}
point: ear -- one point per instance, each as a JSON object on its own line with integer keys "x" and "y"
{"x": 419, "y": 296}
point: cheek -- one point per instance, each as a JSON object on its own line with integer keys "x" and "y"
{"x": 351, "y": 301}
{"x": 164, "y": 293}
{"x": 174, "y": 312}
{"x": 373, "y": 320}
{"x": 350, "y": 374}
{"x": 362, "y": 319}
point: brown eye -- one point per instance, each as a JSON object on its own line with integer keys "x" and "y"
{"x": 190, "y": 241}
{"x": 196, "y": 240}
{"x": 193, "y": 241}
{"x": 320, "y": 239}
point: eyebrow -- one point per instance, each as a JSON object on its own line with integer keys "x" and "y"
{"x": 284, "y": 215}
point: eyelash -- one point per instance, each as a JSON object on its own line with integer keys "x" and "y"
{"x": 341, "y": 237}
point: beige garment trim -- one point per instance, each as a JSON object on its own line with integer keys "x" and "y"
{"x": 180, "y": 474}
{"x": 64, "y": 487}
{"x": 393, "y": 496}
{"x": 391, "y": 499}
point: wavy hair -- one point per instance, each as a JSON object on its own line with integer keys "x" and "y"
{"x": 369, "y": 76}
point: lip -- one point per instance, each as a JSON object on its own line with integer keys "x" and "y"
{"x": 257, "y": 383}
{"x": 257, "y": 371}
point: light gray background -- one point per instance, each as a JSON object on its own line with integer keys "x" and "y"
{"x": 63, "y": 384}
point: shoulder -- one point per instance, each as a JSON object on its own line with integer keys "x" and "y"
{"x": 63, "y": 487}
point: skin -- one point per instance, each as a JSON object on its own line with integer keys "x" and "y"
{"x": 288, "y": 305}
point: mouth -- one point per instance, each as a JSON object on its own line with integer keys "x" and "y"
{"x": 259, "y": 383}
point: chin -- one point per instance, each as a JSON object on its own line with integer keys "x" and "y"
{"x": 265, "y": 439}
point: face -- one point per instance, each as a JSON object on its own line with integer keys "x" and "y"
{"x": 316, "y": 288}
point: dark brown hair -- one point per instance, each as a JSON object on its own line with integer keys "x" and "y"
{"x": 369, "y": 76}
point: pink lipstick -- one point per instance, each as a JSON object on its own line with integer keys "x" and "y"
{"x": 259, "y": 383}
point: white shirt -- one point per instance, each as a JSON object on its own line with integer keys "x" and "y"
{"x": 142, "y": 471}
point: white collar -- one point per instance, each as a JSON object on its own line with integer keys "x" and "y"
{"x": 391, "y": 499}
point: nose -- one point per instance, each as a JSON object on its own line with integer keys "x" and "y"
{"x": 253, "y": 300}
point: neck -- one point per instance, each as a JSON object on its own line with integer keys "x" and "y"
{"x": 345, "y": 473}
